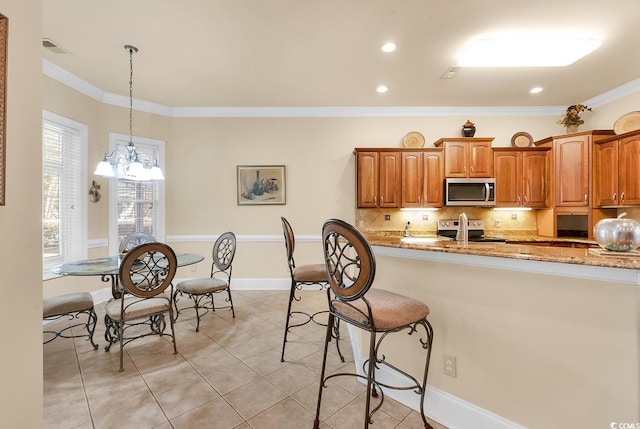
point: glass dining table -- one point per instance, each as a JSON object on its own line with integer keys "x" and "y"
{"x": 107, "y": 268}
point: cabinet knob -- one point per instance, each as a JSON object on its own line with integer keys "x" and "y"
{"x": 586, "y": 197}
{"x": 375, "y": 200}
{"x": 526, "y": 199}
{"x": 615, "y": 196}
{"x": 472, "y": 168}
{"x": 418, "y": 199}
{"x": 518, "y": 199}
{"x": 381, "y": 200}
{"x": 622, "y": 197}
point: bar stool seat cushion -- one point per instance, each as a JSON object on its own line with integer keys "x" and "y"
{"x": 390, "y": 310}
{"x": 311, "y": 273}
{"x": 64, "y": 304}
{"x": 202, "y": 286}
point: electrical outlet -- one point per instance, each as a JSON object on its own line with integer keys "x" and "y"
{"x": 498, "y": 223}
{"x": 514, "y": 216}
{"x": 425, "y": 217}
{"x": 387, "y": 217}
{"x": 449, "y": 365}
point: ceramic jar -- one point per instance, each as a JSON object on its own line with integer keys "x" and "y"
{"x": 468, "y": 129}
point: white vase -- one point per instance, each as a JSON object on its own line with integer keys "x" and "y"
{"x": 572, "y": 128}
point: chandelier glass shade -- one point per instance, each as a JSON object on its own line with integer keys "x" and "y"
{"x": 130, "y": 164}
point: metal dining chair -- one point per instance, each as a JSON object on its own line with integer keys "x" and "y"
{"x": 351, "y": 268}
{"x": 201, "y": 291}
{"x": 145, "y": 273}
{"x": 135, "y": 239}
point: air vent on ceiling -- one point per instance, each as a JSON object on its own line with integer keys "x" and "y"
{"x": 53, "y": 46}
{"x": 450, "y": 73}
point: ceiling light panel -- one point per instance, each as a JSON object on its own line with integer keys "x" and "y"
{"x": 526, "y": 52}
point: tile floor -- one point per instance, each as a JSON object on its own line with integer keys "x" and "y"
{"x": 228, "y": 375}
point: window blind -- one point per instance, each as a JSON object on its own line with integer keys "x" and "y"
{"x": 63, "y": 181}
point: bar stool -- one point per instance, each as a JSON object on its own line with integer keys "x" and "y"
{"x": 351, "y": 267}
{"x": 303, "y": 275}
{"x": 71, "y": 305}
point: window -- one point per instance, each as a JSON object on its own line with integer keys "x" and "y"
{"x": 64, "y": 200}
{"x": 136, "y": 205}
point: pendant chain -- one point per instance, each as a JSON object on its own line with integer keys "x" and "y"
{"x": 130, "y": 94}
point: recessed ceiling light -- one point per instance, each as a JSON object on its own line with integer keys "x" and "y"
{"x": 389, "y": 47}
{"x": 382, "y": 89}
{"x": 521, "y": 51}
{"x": 535, "y": 90}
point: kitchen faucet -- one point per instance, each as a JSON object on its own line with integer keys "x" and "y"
{"x": 463, "y": 228}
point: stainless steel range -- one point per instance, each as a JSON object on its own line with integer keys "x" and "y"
{"x": 449, "y": 228}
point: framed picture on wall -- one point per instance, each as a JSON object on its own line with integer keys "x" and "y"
{"x": 261, "y": 184}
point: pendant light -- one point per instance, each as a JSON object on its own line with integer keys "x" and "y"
{"x": 130, "y": 164}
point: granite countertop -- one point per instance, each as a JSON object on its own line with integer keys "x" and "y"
{"x": 566, "y": 255}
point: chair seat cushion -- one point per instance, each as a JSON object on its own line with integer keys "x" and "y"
{"x": 68, "y": 303}
{"x": 136, "y": 308}
{"x": 390, "y": 310}
{"x": 311, "y": 273}
{"x": 202, "y": 286}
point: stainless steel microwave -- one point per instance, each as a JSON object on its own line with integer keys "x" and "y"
{"x": 470, "y": 192}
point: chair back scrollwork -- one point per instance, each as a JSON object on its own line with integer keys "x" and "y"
{"x": 350, "y": 262}
{"x": 148, "y": 269}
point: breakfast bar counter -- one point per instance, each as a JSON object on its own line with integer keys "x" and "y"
{"x": 543, "y": 335}
{"x": 592, "y": 256}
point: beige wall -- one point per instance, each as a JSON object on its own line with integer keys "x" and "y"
{"x": 540, "y": 350}
{"x": 20, "y": 223}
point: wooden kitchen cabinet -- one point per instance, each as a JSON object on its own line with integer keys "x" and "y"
{"x": 522, "y": 177}
{"x": 422, "y": 175}
{"x": 378, "y": 179}
{"x": 616, "y": 172}
{"x": 467, "y": 156}
{"x": 571, "y": 166}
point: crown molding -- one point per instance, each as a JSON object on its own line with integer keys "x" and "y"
{"x": 614, "y": 94}
{"x": 63, "y": 76}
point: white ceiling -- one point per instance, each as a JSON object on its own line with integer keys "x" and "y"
{"x": 260, "y": 53}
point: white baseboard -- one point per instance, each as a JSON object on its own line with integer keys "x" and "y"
{"x": 104, "y": 294}
{"x": 449, "y": 410}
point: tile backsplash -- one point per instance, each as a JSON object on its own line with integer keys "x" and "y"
{"x": 426, "y": 222}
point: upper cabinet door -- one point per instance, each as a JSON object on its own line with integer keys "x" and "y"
{"x": 480, "y": 159}
{"x": 390, "y": 180}
{"x": 433, "y": 175}
{"x": 535, "y": 177}
{"x": 412, "y": 179}
{"x": 508, "y": 182}
{"x": 456, "y": 159}
{"x": 629, "y": 171}
{"x": 605, "y": 170}
{"x": 367, "y": 179}
{"x": 571, "y": 170}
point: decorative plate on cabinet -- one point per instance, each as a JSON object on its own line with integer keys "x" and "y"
{"x": 627, "y": 122}
{"x": 413, "y": 139}
{"x": 521, "y": 139}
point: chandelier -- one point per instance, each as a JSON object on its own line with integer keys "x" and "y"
{"x": 130, "y": 164}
